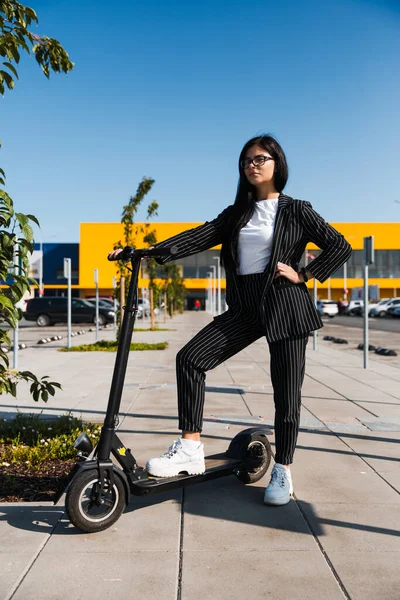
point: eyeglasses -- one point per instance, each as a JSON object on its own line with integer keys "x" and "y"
{"x": 257, "y": 161}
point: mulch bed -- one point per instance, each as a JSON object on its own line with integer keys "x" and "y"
{"x": 19, "y": 483}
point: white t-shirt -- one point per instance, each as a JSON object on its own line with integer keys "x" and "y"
{"x": 255, "y": 238}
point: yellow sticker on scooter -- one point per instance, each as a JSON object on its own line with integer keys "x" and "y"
{"x": 122, "y": 451}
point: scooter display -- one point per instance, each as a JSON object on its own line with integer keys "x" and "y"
{"x": 100, "y": 488}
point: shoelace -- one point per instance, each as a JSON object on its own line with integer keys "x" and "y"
{"x": 278, "y": 477}
{"x": 172, "y": 449}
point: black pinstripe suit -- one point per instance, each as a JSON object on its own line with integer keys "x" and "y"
{"x": 260, "y": 305}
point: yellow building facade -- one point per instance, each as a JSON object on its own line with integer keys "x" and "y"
{"x": 98, "y": 239}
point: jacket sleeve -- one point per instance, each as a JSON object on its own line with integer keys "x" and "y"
{"x": 335, "y": 248}
{"x": 195, "y": 240}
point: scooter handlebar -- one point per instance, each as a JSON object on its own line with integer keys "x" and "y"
{"x": 129, "y": 251}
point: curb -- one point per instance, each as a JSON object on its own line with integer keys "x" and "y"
{"x": 11, "y": 348}
{"x": 385, "y": 352}
{"x": 379, "y": 350}
{"x": 330, "y": 338}
{"x": 54, "y": 338}
{"x": 371, "y": 348}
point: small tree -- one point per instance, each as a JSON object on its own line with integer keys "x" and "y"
{"x": 132, "y": 230}
{"x": 16, "y": 235}
{"x": 174, "y": 288}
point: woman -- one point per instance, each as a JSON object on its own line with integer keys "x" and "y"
{"x": 263, "y": 235}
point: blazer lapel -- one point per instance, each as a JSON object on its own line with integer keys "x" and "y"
{"x": 281, "y": 221}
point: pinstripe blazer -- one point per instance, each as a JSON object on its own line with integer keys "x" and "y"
{"x": 286, "y": 309}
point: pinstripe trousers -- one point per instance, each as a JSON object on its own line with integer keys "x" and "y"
{"x": 224, "y": 337}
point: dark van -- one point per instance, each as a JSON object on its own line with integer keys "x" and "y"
{"x": 49, "y": 310}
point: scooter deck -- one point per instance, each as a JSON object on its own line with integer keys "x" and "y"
{"x": 217, "y": 465}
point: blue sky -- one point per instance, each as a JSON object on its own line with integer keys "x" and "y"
{"x": 173, "y": 89}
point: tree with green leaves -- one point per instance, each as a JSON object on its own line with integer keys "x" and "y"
{"x": 174, "y": 288}
{"x": 132, "y": 230}
{"x": 16, "y": 234}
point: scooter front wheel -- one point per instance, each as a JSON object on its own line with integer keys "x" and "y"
{"x": 84, "y": 511}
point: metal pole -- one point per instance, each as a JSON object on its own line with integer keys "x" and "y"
{"x": 345, "y": 281}
{"x": 369, "y": 259}
{"x": 219, "y": 309}
{"x": 67, "y": 275}
{"x": 315, "y": 302}
{"x": 41, "y": 268}
{"x": 214, "y": 290}
{"x": 122, "y": 301}
{"x": 96, "y": 281}
{"x": 209, "y": 292}
{"x": 366, "y": 342}
{"x": 16, "y": 328}
{"x": 329, "y": 288}
{"x": 114, "y": 280}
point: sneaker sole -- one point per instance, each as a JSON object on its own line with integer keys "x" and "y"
{"x": 276, "y": 502}
{"x": 192, "y": 469}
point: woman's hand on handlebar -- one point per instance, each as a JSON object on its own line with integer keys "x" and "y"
{"x": 113, "y": 255}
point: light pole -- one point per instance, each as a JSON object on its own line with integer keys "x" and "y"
{"x": 219, "y": 309}
{"x": 41, "y": 267}
{"x": 114, "y": 283}
{"x": 209, "y": 292}
{"x": 96, "y": 281}
{"x": 213, "y": 294}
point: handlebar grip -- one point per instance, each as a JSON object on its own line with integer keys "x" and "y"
{"x": 170, "y": 251}
{"x": 125, "y": 255}
{"x": 128, "y": 252}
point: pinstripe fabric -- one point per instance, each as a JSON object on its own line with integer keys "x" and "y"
{"x": 286, "y": 309}
{"x": 225, "y": 337}
{"x": 260, "y": 305}
{"x": 287, "y": 374}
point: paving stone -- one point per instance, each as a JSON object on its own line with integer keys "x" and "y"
{"x": 237, "y": 574}
{"x": 112, "y": 575}
{"x": 368, "y": 575}
{"x": 355, "y": 527}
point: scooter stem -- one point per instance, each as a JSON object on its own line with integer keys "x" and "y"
{"x": 121, "y": 362}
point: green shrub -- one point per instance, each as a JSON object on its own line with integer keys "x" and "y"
{"x": 112, "y": 346}
{"x": 31, "y": 440}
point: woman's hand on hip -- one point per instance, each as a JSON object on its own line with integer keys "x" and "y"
{"x": 283, "y": 270}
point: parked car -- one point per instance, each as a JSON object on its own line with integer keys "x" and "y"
{"x": 104, "y": 299}
{"x": 372, "y": 305}
{"x": 49, "y": 310}
{"x": 357, "y": 311}
{"x": 390, "y": 311}
{"x": 102, "y": 303}
{"x": 355, "y": 307}
{"x": 143, "y": 308}
{"x": 396, "y": 311}
{"x": 381, "y": 310}
{"x": 327, "y": 308}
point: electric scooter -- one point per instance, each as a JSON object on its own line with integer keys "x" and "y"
{"x": 100, "y": 488}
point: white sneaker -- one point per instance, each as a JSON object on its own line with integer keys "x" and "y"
{"x": 280, "y": 487}
{"x": 177, "y": 460}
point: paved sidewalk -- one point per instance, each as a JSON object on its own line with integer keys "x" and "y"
{"x": 339, "y": 538}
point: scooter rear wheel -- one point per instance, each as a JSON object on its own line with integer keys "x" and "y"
{"x": 258, "y": 446}
{"x": 84, "y": 512}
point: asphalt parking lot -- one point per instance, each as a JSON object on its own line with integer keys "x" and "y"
{"x": 383, "y": 332}
{"x": 375, "y": 323}
{"x": 29, "y": 333}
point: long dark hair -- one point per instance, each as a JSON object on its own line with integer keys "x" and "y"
{"x": 246, "y": 196}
